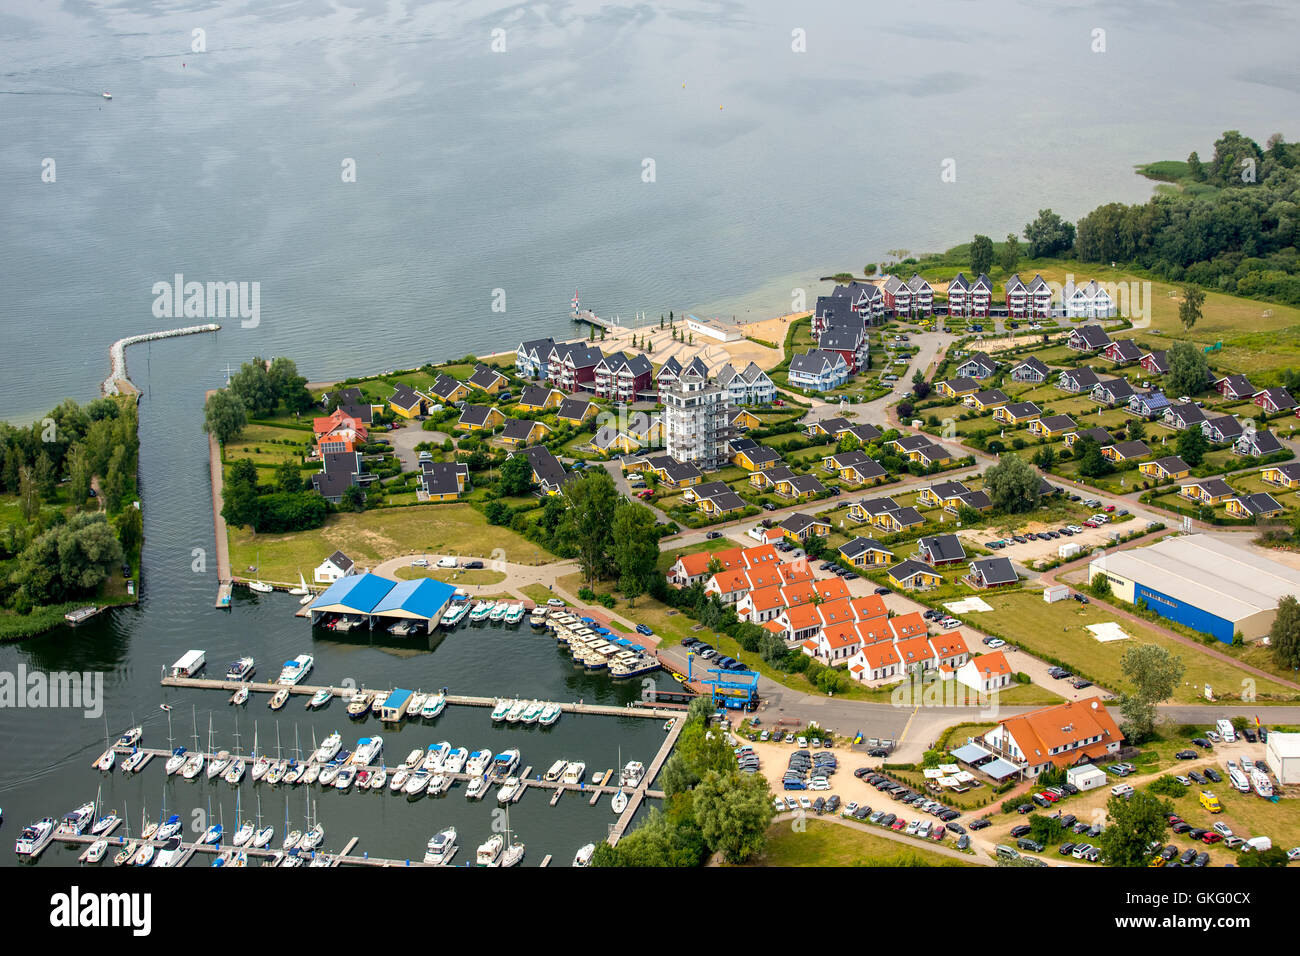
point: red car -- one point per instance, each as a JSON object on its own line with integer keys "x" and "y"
{"x": 647, "y": 494}
{"x": 1051, "y": 797}
{"x": 1110, "y": 508}
{"x": 1211, "y": 837}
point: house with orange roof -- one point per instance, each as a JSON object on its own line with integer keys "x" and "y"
{"x": 986, "y": 673}
{"x": 691, "y": 569}
{"x": 1075, "y": 732}
{"x": 835, "y": 644}
{"x": 915, "y": 654}
{"x": 950, "y": 649}
{"x": 338, "y": 432}
{"x": 875, "y": 662}
{"x": 907, "y": 626}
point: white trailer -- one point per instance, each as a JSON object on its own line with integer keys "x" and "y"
{"x": 1068, "y": 550}
{"x": 189, "y": 665}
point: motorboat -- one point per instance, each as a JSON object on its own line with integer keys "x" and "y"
{"x": 505, "y": 763}
{"x": 413, "y": 759}
{"x": 584, "y": 855}
{"x": 261, "y": 587}
{"x": 517, "y": 711}
{"x": 169, "y": 829}
{"x": 478, "y": 762}
{"x": 368, "y": 751}
{"x": 502, "y": 709}
{"x": 549, "y": 715}
{"x": 378, "y": 779}
{"x": 240, "y": 696}
{"x": 359, "y": 705}
{"x": 176, "y": 761}
{"x": 34, "y": 837}
{"x": 498, "y": 612}
{"x": 532, "y": 712}
{"x": 454, "y": 762}
{"x": 107, "y": 759}
{"x": 478, "y": 787}
{"x": 241, "y": 670}
{"x": 244, "y": 833}
{"x": 414, "y": 704}
{"x": 439, "y": 783}
{"x": 490, "y": 850}
{"x": 514, "y": 614}
{"x": 106, "y": 95}
{"x": 280, "y": 698}
{"x": 377, "y": 705}
{"x": 398, "y": 782}
{"x": 418, "y": 781}
{"x": 320, "y": 698}
{"x": 290, "y": 859}
{"x": 1261, "y": 783}
{"x": 329, "y": 773}
{"x": 507, "y": 792}
{"x": 170, "y": 853}
{"x": 436, "y": 755}
{"x": 76, "y": 822}
{"x": 291, "y": 840}
{"x": 96, "y": 851}
{"x": 135, "y": 761}
{"x": 363, "y": 779}
{"x": 235, "y": 772}
{"x": 130, "y": 738}
{"x": 633, "y": 771}
{"x": 574, "y": 772}
{"x": 454, "y": 614}
{"x": 537, "y": 618}
{"x": 555, "y": 770}
{"x": 619, "y": 803}
{"x": 441, "y": 847}
{"x": 218, "y": 763}
{"x": 433, "y": 706}
{"x": 105, "y": 823}
{"x": 296, "y": 669}
{"x": 480, "y": 612}
{"x": 328, "y": 748}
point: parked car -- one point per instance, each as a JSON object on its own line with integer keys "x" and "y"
{"x": 1186, "y": 755}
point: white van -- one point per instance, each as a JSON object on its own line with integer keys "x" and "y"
{"x": 446, "y": 562}
{"x": 1224, "y": 727}
{"x": 1120, "y": 790}
{"x": 1260, "y": 843}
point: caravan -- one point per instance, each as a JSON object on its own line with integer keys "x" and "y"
{"x": 1224, "y": 727}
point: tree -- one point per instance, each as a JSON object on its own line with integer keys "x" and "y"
{"x": 1188, "y": 370}
{"x": 288, "y": 477}
{"x": 515, "y": 476}
{"x": 78, "y": 476}
{"x": 45, "y": 476}
{"x": 354, "y": 499}
{"x": 29, "y": 496}
{"x": 1045, "y": 458}
{"x": 1092, "y": 463}
{"x": 733, "y": 811}
{"x": 115, "y": 480}
{"x": 981, "y": 255}
{"x": 588, "y": 521}
{"x": 1049, "y": 235}
{"x": 848, "y": 442}
{"x": 68, "y": 561}
{"x": 920, "y": 387}
{"x": 1284, "y": 635}
{"x": 497, "y": 512}
{"x": 1137, "y": 430}
{"x": 1192, "y": 446}
{"x": 1135, "y": 824}
{"x": 255, "y": 388}
{"x": 1010, "y": 254}
{"x": 1273, "y": 856}
{"x": 635, "y": 548}
{"x": 1012, "y": 485}
{"x": 1100, "y": 586}
{"x": 130, "y": 529}
{"x": 1195, "y": 168}
{"x": 224, "y": 416}
{"x": 1189, "y": 309}
{"x": 1154, "y": 673}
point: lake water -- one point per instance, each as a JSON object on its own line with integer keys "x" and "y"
{"x": 523, "y": 171}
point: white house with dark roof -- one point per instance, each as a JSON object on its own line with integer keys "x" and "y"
{"x": 1182, "y": 415}
{"x": 750, "y": 386}
{"x": 1088, "y": 301}
{"x": 977, "y": 365}
{"x": 1256, "y": 443}
{"x": 1077, "y": 380}
{"x": 337, "y": 565}
{"x": 1222, "y": 429}
{"x": 1030, "y": 370}
{"x": 532, "y": 357}
{"x": 818, "y": 370}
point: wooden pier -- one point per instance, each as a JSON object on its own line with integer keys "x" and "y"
{"x": 268, "y": 687}
{"x": 642, "y": 789}
{"x": 190, "y": 850}
{"x": 224, "y": 594}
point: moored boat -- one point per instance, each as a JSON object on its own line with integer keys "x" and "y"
{"x": 280, "y": 698}
{"x": 104, "y": 823}
{"x": 502, "y": 709}
{"x": 478, "y": 762}
{"x": 241, "y": 669}
{"x": 33, "y": 837}
{"x": 556, "y": 770}
{"x": 505, "y": 763}
{"x": 441, "y": 847}
{"x": 508, "y": 790}
{"x": 584, "y": 855}
{"x": 328, "y": 748}
{"x": 177, "y": 760}
{"x": 296, "y": 669}
{"x": 433, "y": 706}
{"x": 478, "y": 787}
{"x": 549, "y": 715}
{"x": 490, "y": 850}
{"x": 359, "y": 705}
{"x": 319, "y": 699}
{"x": 574, "y": 771}
{"x": 417, "y": 782}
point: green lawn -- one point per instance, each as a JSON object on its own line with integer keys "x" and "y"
{"x": 374, "y": 536}
{"x": 1057, "y": 631}
{"x": 829, "y": 844}
{"x": 457, "y": 577}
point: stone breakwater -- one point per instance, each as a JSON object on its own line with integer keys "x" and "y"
{"x": 117, "y": 353}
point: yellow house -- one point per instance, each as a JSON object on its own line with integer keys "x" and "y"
{"x": 757, "y": 458}
{"x": 1016, "y": 413}
{"x": 745, "y": 419}
{"x": 1262, "y": 505}
{"x": 442, "y": 481}
{"x": 477, "y": 418}
{"x": 865, "y": 552}
{"x": 448, "y": 390}
{"x": 646, "y": 429}
{"x": 958, "y": 387}
{"x": 519, "y": 431}
{"x": 1126, "y": 450}
{"x": 1285, "y": 475}
{"x": 914, "y": 575}
{"x": 931, "y": 455}
{"x": 1170, "y": 468}
{"x": 983, "y": 401}
{"x": 900, "y": 520}
{"x": 1051, "y": 426}
{"x": 488, "y": 379}
{"x": 406, "y": 401}
{"x": 1206, "y": 491}
{"x": 537, "y": 398}
{"x": 575, "y": 411}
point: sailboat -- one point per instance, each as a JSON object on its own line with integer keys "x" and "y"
{"x": 217, "y": 762}
{"x": 243, "y": 831}
{"x": 109, "y": 757}
{"x": 235, "y": 772}
{"x": 259, "y": 585}
{"x": 194, "y": 763}
{"x": 212, "y": 835}
{"x": 129, "y": 846}
{"x": 302, "y": 586}
{"x": 262, "y": 835}
{"x": 261, "y": 762}
{"x": 513, "y": 852}
{"x": 315, "y": 835}
{"x": 619, "y": 803}
{"x": 291, "y": 836}
{"x": 296, "y": 766}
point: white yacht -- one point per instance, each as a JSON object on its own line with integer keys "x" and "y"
{"x": 241, "y": 669}
{"x": 511, "y": 855}
{"x": 97, "y": 851}
{"x": 584, "y": 855}
{"x": 104, "y": 823}
{"x": 505, "y": 763}
{"x": 516, "y": 711}
{"x": 532, "y": 712}
{"x": 490, "y": 850}
{"x": 170, "y": 853}
{"x": 501, "y": 709}
{"x": 176, "y": 761}
{"x": 439, "y": 783}
{"x": 508, "y": 790}
{"x": 433, "y": 706}
{"x": 235, "y": 772}
{"x": 556, "y": 770}
{"x": 379, "y": 778}
{"x": 106, "y": 760}
{"x": 295, "y": 670}
{"x": 169, "y": 829}
{"x": 75, "y": 823}
{"x": 574, "y": 772}
{"x": 263, "y": 837}
{"x": 413, "y": 759}
{"x": 344, "y": 778}
{"x": 328, "y": 748}
{"x": 34, "y": 837}
{"x": 414, "y": 704}
{"x": 454, "y": 762}
{"x": 368, "y": 751}
{"x": 193, "y": 766}
{"x": 619, "y": 803}
{"x": 633, "y": 771}
{"x": 441, "y": 848}
{"x": 478, "y": 787}
{"x": 435, "y": 756}
{"x": 243, "y": 834}
{"x": 312, "y": 773}
{"x": 417, "y": 782}
{"x": 549, "y": 715}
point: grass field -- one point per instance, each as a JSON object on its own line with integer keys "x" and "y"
{"x": 456, "y": 577}
{"x": 829, "y": 844}
{"x": 1058, "y": 631}
{"x": 374, "y": 536}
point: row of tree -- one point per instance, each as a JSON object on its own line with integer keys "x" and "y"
{"x": 259, "y": 389}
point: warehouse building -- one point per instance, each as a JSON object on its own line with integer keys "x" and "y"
{"x": 1201, "y": 582}
{"x": 1284, "y": 757}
